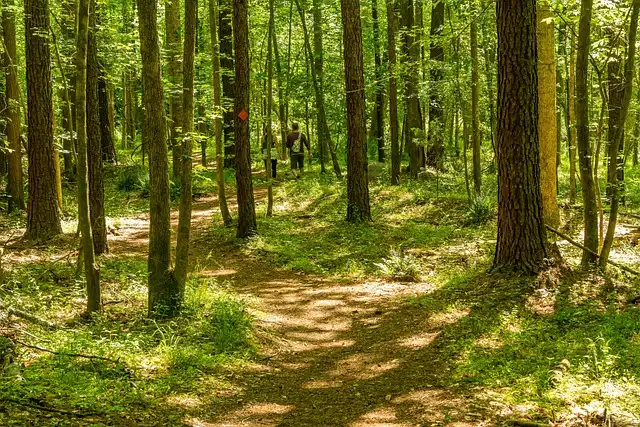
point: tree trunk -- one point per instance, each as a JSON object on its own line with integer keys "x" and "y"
{"x": 269, "y": 94}
{"x": 584, "y": 146}
{"x": 618, "y": 139}
{"x": 358, "y": 208}
{"x": 436, "y": 113}
{"x": 547, "y": 124}
{"x": 246, "y": 206}
{"x": 323, "y": 127}
{"x": 163, "y": 291}
{"x": 43, "y": 213}
{"x": 174, "y": 76}
{"x": 393, "y": 93}
{"x": 379, "y": 87}
{"x": 94, "y": 140}
{"x": 522, "y": 239}
{"x": 475, "y": 111}
{"x": 186, "y": 198}
{"x": 92, "y": 272}
{"x": 15, "y": 184}
{"x": 228, "y": 85}
{"x": 412, "y": 100}
{"x": 217, "y": 110}
{"x": 106, "y": 127}
{"x": 572, "y": 132}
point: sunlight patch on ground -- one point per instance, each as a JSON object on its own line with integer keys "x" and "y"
{"x": 300, "y": 346}
{"x": 321, "y": 384}
{"x": 379, "y": 417}
{"x": 184, "y": 401}
{"x": 449, "y": 317}
{"x": 418, "y": 341}
{"x": 363, "y": 367}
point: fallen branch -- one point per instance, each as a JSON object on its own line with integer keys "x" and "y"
{"x": 29, "y": 317}
{"x": 46, "y": 409}
{"x": 84, "y": 356}
{"x": 573, "y": 242}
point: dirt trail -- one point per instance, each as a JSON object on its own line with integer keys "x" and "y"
{"x": 347, "y": 355}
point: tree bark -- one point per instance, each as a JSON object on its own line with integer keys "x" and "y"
{"x": 412, "y": 100}
{"x": 246, "y": 206}
{"x": 584, "y": 146}
{"x": 15, "y": 176}
{"x": 43, "y": 213}
{"x": 475, "y": 111}
{"x": 522, "y": 239}
{"x": 163, "y": 291}
{"x": 393, "y": 93}
{"x": 436, "y": 112}
{"x": 174, "y": 76}
{"x": 547, "y": 124}
{"x": 184, "y": 220}
{"x": 217, "y": 111}
{"x": 358, "y": 208}
{"x": 269, "y": 123}
{"x": 228, "y": 84}
{"x": 106, "y": 124}
{"x": 94, "y": 140}
{"x": 572, "y": 133}
{"x": 379, "y": 87}
{"x": 92, "y": 272}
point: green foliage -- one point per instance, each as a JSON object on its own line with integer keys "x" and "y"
{"x": 480, "y": 211}
{"x": 400, "y": 266}
{"x": 134, "y": 178}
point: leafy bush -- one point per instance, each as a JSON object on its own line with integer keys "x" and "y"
{"x": 134, "y": 178}
{"x": 400, "y": 266}
{"x": 230, "y": 326}
{"x": 480, "y": 212}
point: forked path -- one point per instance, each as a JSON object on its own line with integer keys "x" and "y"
{"x": 338, "y": 354}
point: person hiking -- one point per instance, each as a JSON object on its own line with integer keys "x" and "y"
{"x": 275, "y": 151}
{"x": 296, "y": 141}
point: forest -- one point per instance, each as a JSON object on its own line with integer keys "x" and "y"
{"x": 319, "y": 213}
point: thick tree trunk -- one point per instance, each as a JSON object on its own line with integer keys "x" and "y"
{"x": 475, "y": 111}
{"x": 358, "y": 208}
{"x": 43, "y": 213}
{"x": 228, "y": 84}
{"x": 393, "y": 93}
{"x": 174, "y": 75}
{"x": 436, "y": 112}
{"x": 184, "y": 220}
{"x": 585, "y": 149}
{"x": 106, "y": 124}
{"x": 92, "y": 272}
{"x": 94, "y": 140}
{"x": 163, "y": 291}
{"x": 412, "y": 100}
{"x": 15, "y": 184}
{"x": 217, "y": 110}
{"x": 246, "y": 206}
{"x": 547, "y": 124}
{"x": 522, "y": 239}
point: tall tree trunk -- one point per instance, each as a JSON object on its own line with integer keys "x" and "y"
{"x": 619, "y": 133}
{"x": 379, "y": 88}
{"x": 490, "y": 63}
{"x": 15, "y": 185}
{"x": 269, "y": 108}
{"x": 174, "y": 75}
{"x": 125, "y": 111}
{"x": 184, "y": 220}
{"x": 217, "y": 111}
{"x": 163, "y": 290}
{"x": 412, "y": 100}
{"x": 228, "y": 85}
{"x": 393, "y": 93}
{"x": 323, "y": 127}
{"x": 43, "y": 212}
{"x": 94, "y": 140}
{"x": 281, "y": 96}
{"x": 436, "y": 113}
{"x": 584, "y": 146}
{"x": 358, "y": 208}
{"x": 475, "y": 111}
{"x": 547, "y": 124}
{"x": 246, "y": 206}
{"x": 522, "y": 239}
{"x": 106, "y": 125}
{"x": 92, "y": 272}
{"x": 572, "y": 132}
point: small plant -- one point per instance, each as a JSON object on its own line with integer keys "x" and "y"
{"x": 230, "y": 326}
{"x": 480, "y": 212}
{"x": 134, "y": 178}
{"x": 400, "y": 266}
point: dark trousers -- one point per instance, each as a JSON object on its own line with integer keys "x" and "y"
{"x": 274, "y": 167}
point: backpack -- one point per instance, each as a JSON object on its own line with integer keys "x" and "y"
{"x": 297, "y": 144}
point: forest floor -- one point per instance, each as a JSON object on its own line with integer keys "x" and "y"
{"x": 317, "y": 322}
